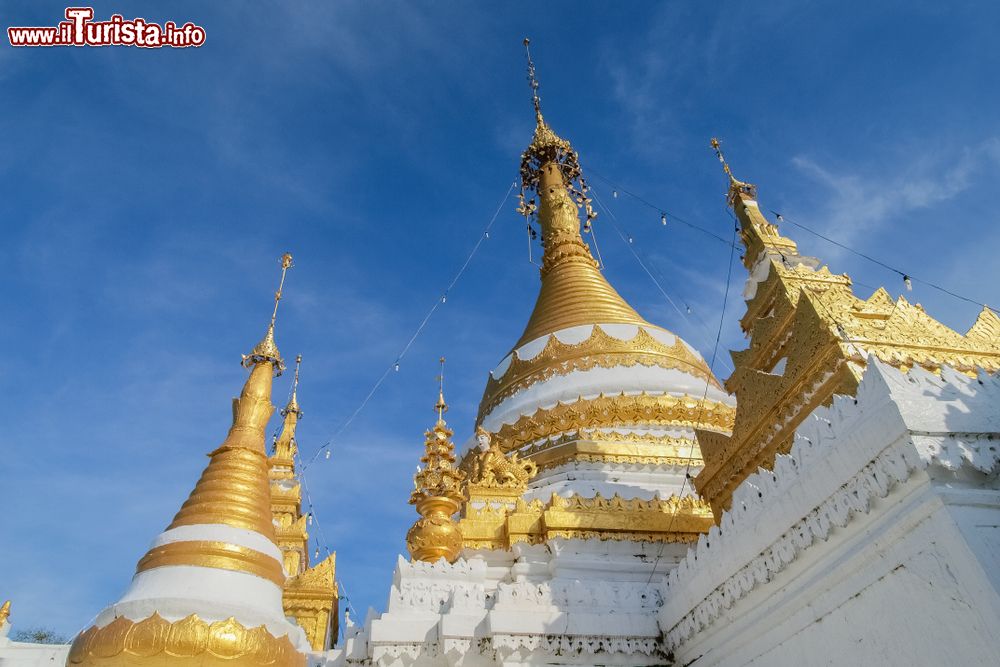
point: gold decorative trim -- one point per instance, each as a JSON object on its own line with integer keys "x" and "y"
{"x": 612, "y": 411}
{"x": 606, "y": 436}
{"x": 311, "y": 598}
{"x": 670, "y": 538}
{"x": 599, "y": 350}
{"x": 615, "y": 448}
{"x": 658, "y": 520}
{"x": 812, "y": 319}
{"x": 623, "y": 459}
{"x": 189, "y": 642}
{"x": 219, "y": 555}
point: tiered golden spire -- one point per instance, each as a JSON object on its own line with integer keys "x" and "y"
{"x": 161, "y": 625}
{"x": 310, "y": 593}
{"x": 759, "y": 235}
{"x": 573, "y": 291}
{"x": 293, "y": 402}
{"x": 437, "y": 492}
{"x": 810, "y": 337}
{"x": 736, "y": 186}
{"x": 234, "y": 488}
{"x": 4, "y": 613}
{"x": 286, "y": 446}
{"x": 286, "y": 491}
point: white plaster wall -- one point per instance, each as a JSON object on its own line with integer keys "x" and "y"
{"x": 17, "y": 654}
{"x": 898, "y": 586}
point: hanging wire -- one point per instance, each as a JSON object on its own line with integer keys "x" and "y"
{"x": 701, "y": 409}
{"x": 597, "y": 248}
{"x": 903, "y": 274}
{"x": 321, "y": 540}
{"x": 660, "y": 211}
{"x": 394, "y": 366}
{"x": 908, "y": 278}
{"x": 631, "y": 246}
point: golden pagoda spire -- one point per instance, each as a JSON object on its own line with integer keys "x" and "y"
{"x": 4, "y": 613}
{"x": 810, "y": 338}
{"x": 310, "y": 592}
{"x": 286, "y": 446}
{"x": 736, "y": 186}
{"x": 437, "y": 493}
{"x": 208, "y": 591}
{"x": 574, "y": 291}
{"x": 267, "y": 349}
{"x": 760, "y": 236}
{"x": 234, "y": 489}
{"x": 293, "y": 402}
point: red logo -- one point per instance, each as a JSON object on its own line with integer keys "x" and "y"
{"x": 79, "y": 29}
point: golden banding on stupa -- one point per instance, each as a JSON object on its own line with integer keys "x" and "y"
{"x": 209, "y": 589}
{"x": 602, "y": 403}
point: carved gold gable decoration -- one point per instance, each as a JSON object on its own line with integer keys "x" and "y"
{"x": 189, "y": 642}
{"x": 810, "y": 338}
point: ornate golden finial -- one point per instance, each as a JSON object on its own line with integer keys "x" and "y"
{"x": 293, "y": 401}
{"x": 545, "y": 147}
{"x": 267, "y": 349}
{"x": 441, "y": 406}
{"x": 736, "y": 186}
{"x": 4, "y": 613}
{"x": 573, "y": 289}
{"x": 437, "y": 493}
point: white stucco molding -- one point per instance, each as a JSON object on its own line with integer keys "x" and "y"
{"x": 842, "y": 457}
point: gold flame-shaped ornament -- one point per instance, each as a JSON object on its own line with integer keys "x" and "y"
{"x": 437, "y": 493}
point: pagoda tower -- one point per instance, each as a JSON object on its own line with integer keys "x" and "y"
{"x": 809, "y": 338}
{"x": 209, "y": 590}
{"x": 437, "y": 492}
{"x": 586, "y": 428}
{"x": 310, "y": 593}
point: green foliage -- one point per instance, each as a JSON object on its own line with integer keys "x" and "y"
{"x": 39, "y": 636}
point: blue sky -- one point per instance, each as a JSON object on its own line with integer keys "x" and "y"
{"x": 147, "y": 195}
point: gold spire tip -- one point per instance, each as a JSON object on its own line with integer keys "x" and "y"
{"x": 293, "y": 401}
{"x": 267, "y": 350}
{"x": 4, "y": 613}
{"x": 717, "y": 146}
{"x": 735, "y": 185}
{"x": 548, "y": 147}
{"x": 441, "y": 406}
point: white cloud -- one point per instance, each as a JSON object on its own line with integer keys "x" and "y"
{"x": 860, "y": 203}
